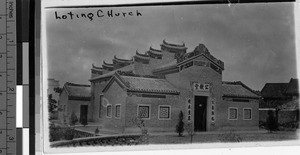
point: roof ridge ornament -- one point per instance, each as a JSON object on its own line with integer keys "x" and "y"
{"x": 153, "y": 49}
{"x": 96, "y": 67}
{"x": 139, "y": 54}
{"x": 120, "y": 59}
{"x": 172, "y": 44}
{"x": 105, "y": 63}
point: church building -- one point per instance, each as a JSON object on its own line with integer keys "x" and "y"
{"x": 159, "y": 83}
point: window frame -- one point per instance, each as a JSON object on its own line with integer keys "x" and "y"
{"x": 143, "y": 105}
{"x": 116, "y": 111}
{"x": 110, "y": 111}
{"x": 159, "y": 118}
{"x": 244, "y": 113}
{"x": 237, "y": 113}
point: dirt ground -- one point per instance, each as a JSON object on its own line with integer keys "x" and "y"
{"x": 173, "y": 138}
{"x": 225, "y": 137}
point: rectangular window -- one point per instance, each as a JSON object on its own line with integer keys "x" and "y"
{"x": 144, "y": 111}
{"x": 164, "y": 112}
{"x": 108, "y": 111}
{"x": 100, "y": 104}
{"x": 233, "y": 114}
{"x": 118, "y": 111}
{"x": 247, "y": 114}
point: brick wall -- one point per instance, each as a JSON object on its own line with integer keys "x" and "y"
{"x": 95, "y": 102}
{"x": 167, "y": 56}
{"x": 154, "y": 123}
{"x": 240, "y": 123}
{"x": 141, "y": 69}
{"x": 115, "y": 95}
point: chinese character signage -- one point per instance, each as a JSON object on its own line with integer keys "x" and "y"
{"x": 200, "y": 86}
{"x": 213, "y": 110}
{"x": 189, "y": 108}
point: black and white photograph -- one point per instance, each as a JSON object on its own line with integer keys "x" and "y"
{"x": 174, "y": 74}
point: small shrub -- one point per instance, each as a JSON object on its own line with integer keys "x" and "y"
{"x": 180, "y": 125}
{"x": 69, "y": 133}
{"x": 73, "y": 119}
{"x": 56, "y": 132}
{"x": 97, "y": 131}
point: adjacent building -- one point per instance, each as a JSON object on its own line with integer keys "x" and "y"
{"x": 75, "y": 98}
{"x": 283, "y": 99}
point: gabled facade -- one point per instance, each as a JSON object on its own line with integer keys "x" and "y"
{"x": 160, "y": 83}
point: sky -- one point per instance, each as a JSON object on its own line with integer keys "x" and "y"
{"x": 256, "y": 42}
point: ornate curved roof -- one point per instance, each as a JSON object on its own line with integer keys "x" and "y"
{"x": 142, "y": 56}
{"x": 118, "y": 60}
{"x": 154, "y": 51}
{"x": 107, "y": 65}
{"x": 173, "y": 46}
{"x": 96, "y": 67}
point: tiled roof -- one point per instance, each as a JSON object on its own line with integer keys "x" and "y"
{"x": 237, "y": 89}
{"x": 111, "y": 73}
{"x": 78, "y": 90}
{"x": 143, "y": 84}
{"x": 149, "y": 84}
{"x": 293, "y": 87}
{"x": 274, "y": 90}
